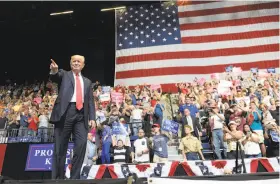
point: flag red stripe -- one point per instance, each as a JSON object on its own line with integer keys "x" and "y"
{"x": 254, "y": 165}
{"x": 198, "y": 54}
{"x": 225, "y": 23}
{"x": 267, "y": 165}
{"x": 183, "y": 3}
{"x": 224, "y": 10}
{"x": 193, "y": 69}
{"x": 232, "y": 36}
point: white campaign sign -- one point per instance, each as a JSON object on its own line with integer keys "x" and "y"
{"x": 207, "y": 181}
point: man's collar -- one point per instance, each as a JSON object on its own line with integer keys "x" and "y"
{"x": 79, "y": 74}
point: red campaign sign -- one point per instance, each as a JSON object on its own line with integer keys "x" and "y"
{"x": 2, "y": 155}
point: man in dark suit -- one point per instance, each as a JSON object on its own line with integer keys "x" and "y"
{"x": 187, "y": 119}
{"x": 73, "y": 111}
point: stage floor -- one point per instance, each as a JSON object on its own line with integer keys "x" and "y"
{"x": 238, "y": 177}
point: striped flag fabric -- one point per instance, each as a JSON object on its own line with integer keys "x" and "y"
{"x": 175, "y": 42}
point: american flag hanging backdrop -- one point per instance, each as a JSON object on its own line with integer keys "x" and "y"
{"x": 175, "y": 42}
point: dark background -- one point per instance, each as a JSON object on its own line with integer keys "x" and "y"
{"x": 29, "y": 37}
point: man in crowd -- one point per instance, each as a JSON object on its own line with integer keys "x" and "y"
{"x": 141, "y": 152}
{"x": 190, "y": 146}
{"x": 73, "y": 110}
{"x": 159, "y": 145}
{"x": 217, "y": 123}
{"x": 193, "y": 123}
{"x": 91, "y": 151}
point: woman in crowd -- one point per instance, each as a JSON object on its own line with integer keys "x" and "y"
{"x": 251, "y": 143}
{"x": 254, "y": 119}
{"x": 232, "y": 136}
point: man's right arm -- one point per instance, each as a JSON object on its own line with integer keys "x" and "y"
{"x": 55, "y": 74}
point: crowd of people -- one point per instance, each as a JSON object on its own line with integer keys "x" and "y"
{"x": 246, "y": 116}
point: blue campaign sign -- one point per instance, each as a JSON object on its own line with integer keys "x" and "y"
{"x": 40, "y": 157}
{"x": 254, "y": 70}
{"x": 229, "y": 68}
{"x": 106, "y": 89}
{"x": 170, "y": 126}
{"x": 271, "y": 70}
{"x": 119, "y": 128}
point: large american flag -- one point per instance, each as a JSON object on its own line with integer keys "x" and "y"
{"x": 174, "y": 42}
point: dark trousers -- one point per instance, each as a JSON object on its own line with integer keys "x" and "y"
{"x": 72, "y": 122}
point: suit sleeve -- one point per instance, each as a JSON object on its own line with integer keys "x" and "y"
{"x": 198, "y": 124}
{"x": 56, "y": 77}
{"x": 91, "y": 105}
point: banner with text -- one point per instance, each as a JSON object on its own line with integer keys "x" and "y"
{"x": 40, "y": 157}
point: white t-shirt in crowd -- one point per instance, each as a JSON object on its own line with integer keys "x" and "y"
{"x": 139, "y": 146}
{"x": 43, "y": 121}
{"x": 218, "y": 122}
{"x": 100, "y": 115}
{"x": 266, "y": 100}
{"x": 136, "y": 114}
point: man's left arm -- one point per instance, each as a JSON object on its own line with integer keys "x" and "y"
{"x": 92, "y": 114}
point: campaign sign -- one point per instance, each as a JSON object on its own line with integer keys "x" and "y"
{"x": 40, "y": 157}
{"x": 170, "y": 126}
{"x": 229, "y": 68}
{"x": 254, "y": 70}
{"x": 119, "y": 128}
{"x": 271, "y": 70}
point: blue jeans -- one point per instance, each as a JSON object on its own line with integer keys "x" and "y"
{"x": 43, "y": 134}
{"x": 192, "y": 156}
{"x": 105, "y": 157}
{"x": 218, "y": 140}
{"x": 254, "y": 156}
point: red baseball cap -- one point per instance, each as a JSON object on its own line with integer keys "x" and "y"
{"x": 156, "y": 125}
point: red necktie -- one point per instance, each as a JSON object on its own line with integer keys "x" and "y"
{"x": 79, "y": 100}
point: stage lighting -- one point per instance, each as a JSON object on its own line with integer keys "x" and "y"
{"x": 61, "y": 13}
{"x": 116, "y": 8}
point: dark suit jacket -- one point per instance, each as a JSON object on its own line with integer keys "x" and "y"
{"x": 66, "y": 83}
{"x": 196, "y": 126}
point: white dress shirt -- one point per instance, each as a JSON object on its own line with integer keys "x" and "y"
{"x": 190, "y": 123}
{"x": 82, "y": 86}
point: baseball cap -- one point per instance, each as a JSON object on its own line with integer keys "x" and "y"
{"x": 232, "y": 122}
{"x": 156, "y": 125}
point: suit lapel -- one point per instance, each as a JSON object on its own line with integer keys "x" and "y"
{"x": 70, "y": 75}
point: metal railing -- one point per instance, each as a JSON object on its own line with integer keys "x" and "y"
{"x": 44, "y": 135}
{"x": 23, "y": 134}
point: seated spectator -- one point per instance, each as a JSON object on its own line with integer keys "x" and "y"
{"x": 190, "y": 146}
{"x": 251, "y": 143}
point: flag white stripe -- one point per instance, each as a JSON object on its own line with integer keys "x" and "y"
{"x": 166, "y": 79}
{"x": 230, "y": 29}
{"x": 198, "y": 61}
{"x": 229, "y": 16}
{"x": 214, "y": 5}
{"x": 199, "y": 46}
